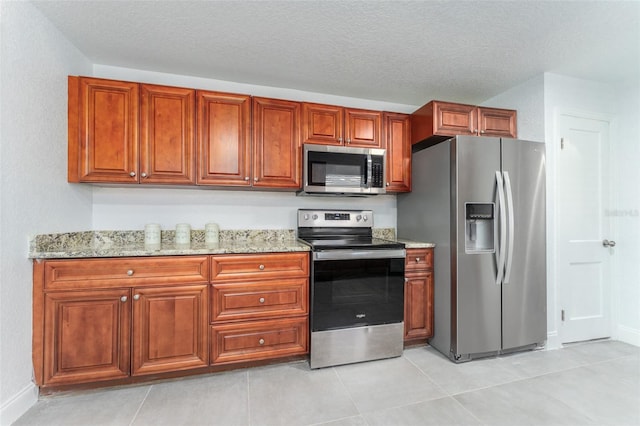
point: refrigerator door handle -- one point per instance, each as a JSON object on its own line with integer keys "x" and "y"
{"x": 510, "y": 228}
{"x": 500, "y": 250}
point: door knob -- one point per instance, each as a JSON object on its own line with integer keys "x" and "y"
{"x": 607, "y": 243}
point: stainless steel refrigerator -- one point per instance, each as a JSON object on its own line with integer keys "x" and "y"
{"x": 481, "y": 200}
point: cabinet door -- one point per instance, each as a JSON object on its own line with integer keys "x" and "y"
{"x": 418, "y": 305}
{"x": 497, "y": 122}
{"x": 103, "y": 130}
{"x": 363, "y": 128}
{"x": 86, "y": 336}
{"x": 398, "y": 144}
{"x": 322, "y": 124}
{"x": 276, "y": 144}
{"x": 169, "y": 329}
{"x": 224, "y": 151}
{"x": 167, "y": 135}
{"x": 454, "y": 119}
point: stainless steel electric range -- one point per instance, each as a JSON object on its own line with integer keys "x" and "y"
{"x": 357, "y": 288}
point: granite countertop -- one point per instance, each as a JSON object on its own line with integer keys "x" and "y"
{"x": 410, "y": 244}
{"x": 131, "y": 243}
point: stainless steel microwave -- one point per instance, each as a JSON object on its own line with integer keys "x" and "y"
{"x": 343, "y": 170}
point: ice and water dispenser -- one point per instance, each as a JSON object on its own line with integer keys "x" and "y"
{"x": 479, "y": 229}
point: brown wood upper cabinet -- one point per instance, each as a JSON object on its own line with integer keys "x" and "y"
{"x": 123, "y": 132}
{"x": 277, "y": 154}
{"x": 438, "y": 120}
{"x": 224, "y": 135}
{"x": 334, "y": 125}
{"x": 229, "y": 155}
{"x": 397, "y": 128}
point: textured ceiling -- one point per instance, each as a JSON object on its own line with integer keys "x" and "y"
{"x": 396, "y": 51}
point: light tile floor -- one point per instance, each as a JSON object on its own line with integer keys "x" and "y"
{"x": 594, "y": 383}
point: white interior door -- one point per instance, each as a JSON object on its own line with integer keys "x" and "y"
{"x": 584, "y": 277}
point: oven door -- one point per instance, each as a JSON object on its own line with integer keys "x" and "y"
{"x": 353, "y": 288}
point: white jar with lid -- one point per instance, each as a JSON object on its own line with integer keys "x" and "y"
{"x": 211, "y": 233}
{"x": 152, "y": 236}
{"x": 183, "y": 235}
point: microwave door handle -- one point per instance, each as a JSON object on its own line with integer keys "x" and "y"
{"x": 369, "y": 175}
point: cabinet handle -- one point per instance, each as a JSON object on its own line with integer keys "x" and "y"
{"x": 123, "y": 299}
{"x": 261, "y": 267}
{"x": 340, "y": 140}
{"x": 388, "y": 184}
{"x": 136, "y": 297}
{"x": 261, "y": 342}
{"x": 132, "y": 174}
{"x": 130, "y": 272}
{"x": 348, "y": 140}
{"x": 143, "y": 174}
{"x": 261, "y": 300}
{"x": 246, "y": 178}
{"x": 417, "y": 259}
{"x": 255, "y": 179}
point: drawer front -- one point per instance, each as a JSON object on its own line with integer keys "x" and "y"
{"x": 259, "y": 266}
{"x": 125, "y": 272}
{"x": 259, "y": 340}
{"x": 419, "y": 259}
{"x": 259, "y": 299}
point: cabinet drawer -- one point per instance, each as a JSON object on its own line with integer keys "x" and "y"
{"x": 259, "y": 266}
{"x": 259, "y": 340}
{"x": 259, "y": 299}
{"x": 124, "y": 272}
{"x": 419, "y": 259}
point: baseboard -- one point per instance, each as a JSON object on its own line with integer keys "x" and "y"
{"x": 18, "y": 405}
{"x": 553, "y": 340}
{"x": 629, "y": 335}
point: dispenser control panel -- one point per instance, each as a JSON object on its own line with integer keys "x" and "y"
{"x": 479, "y": 228}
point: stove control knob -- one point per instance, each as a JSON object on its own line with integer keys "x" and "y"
{"x": 365, "y": 218}
{"x": 315, "y": 217}
{"x": 358, "y": 218}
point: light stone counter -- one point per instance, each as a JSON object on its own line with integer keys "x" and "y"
{"x": 131, "y": 243}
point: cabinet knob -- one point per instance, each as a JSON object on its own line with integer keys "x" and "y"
{"x": 482, "y": 132}
{"x": 123, "y": 299}
{"x": 246, "y": 178}
{"x": 255, "y": 179}
{"x": 143, "y": 174}
{"x": 340, "y": 140}
{"x": 130, "y": 272}
{"x": 261, "y": 300}
{"x": 388, "y": 184}
{"x": 261, "y": 342}
{"x": 348, "y": 140}
{"x": 132, "y": 174}
{"x": 136, "y": 297}
{"x": 417, "y": 259}
{"x": 261, "y": 267}
{"x": 475, "y": 131}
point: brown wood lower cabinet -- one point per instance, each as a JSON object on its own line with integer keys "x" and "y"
{"x": 90, "y": 326}
{"x": 169, "y": 329}
{"x": 259, "y": 307}
{"x": 118, "y": 319}
{"x": 418, "y": 294}
{"x": 258, "y": 340}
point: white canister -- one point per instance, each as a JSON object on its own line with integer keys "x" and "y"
{"x": 152, "y": 236}
{"x": 183, "y": 234}
{"x": 211, "y": 233}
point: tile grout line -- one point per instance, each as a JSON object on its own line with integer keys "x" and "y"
{"x": 248, "y": 399}
{"x": 348, "y": 393}
{"x": 140, "y": 406}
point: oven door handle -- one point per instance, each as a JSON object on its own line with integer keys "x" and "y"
{"x": 358, "y": 254}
